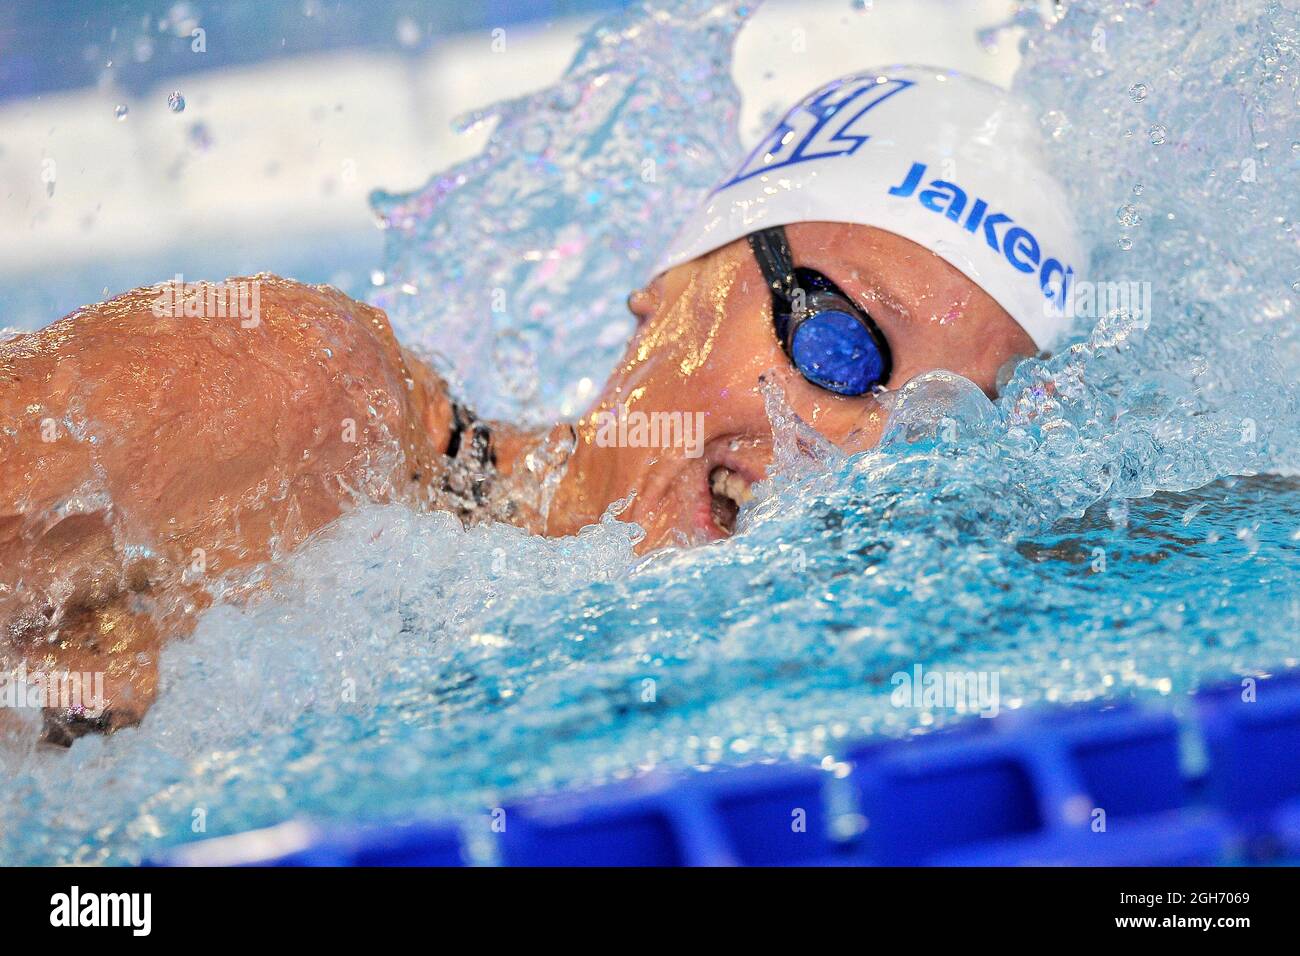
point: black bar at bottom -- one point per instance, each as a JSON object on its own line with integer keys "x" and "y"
{"x": 333, "y": 905}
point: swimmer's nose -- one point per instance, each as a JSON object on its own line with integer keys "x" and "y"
{"x": 642, "y": 303}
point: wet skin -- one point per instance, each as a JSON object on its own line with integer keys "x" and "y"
{"x": 143, "y": 459}
{"x": 147, "y": 461}
{"x": 705, "y": 339}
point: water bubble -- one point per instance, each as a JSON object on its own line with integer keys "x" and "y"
{"x": 566, "y": 97}
{"x": 988, "y": 38}
{"x": 534, "y": 140}
{"x": 1128, "y": 215}
{"x": 180, "y": 21}
{"x": 120, "y": 111}
{"x": 1056, "y": 123}
{"x": 1138, "y": 189}
{"x": 1138, "y": 92}
{"x": 467, "y": 122}
{"x": 940, "y": 407}
{"x": 1125, "y": 243}
{"x": 200, "y": 138}
{"x": 176, "y": 101}
{"x": 1157, "y": 134}
{"x": 408, "y": 32}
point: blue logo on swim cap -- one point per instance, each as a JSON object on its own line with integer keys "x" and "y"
{"x": 820, "y": 127}
{"x": 1018, "y": 245}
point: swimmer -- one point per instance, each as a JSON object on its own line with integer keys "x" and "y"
{"x": 894, "y": 222}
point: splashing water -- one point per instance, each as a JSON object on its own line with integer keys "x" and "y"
{"x": 523, "y": 256}
{"x": 1089, "y": 535}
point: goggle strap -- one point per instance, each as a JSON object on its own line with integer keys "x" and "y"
{"x": 776, "y": 262}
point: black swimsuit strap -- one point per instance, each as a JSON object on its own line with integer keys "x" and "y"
{"x": 462, "y": 419}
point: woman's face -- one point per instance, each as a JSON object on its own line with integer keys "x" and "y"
{"x": 705, "y": 342}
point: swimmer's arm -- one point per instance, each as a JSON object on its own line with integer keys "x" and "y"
{"x": 145, "y": 457}
{"x": 430, "y": 400}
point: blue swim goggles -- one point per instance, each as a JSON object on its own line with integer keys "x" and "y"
{"x": 832, "y": 342}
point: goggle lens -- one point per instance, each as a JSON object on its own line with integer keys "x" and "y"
{"x": 835, "y": 351}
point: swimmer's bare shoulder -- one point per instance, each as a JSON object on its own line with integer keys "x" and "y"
{"x": 145, "y": 454}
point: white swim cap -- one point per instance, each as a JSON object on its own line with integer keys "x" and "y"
{"x": 950, "y": 162}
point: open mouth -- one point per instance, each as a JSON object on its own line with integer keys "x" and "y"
{"x": 730, "y": 491}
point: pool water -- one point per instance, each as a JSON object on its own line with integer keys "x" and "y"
{"x": 1124, "y": 522}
